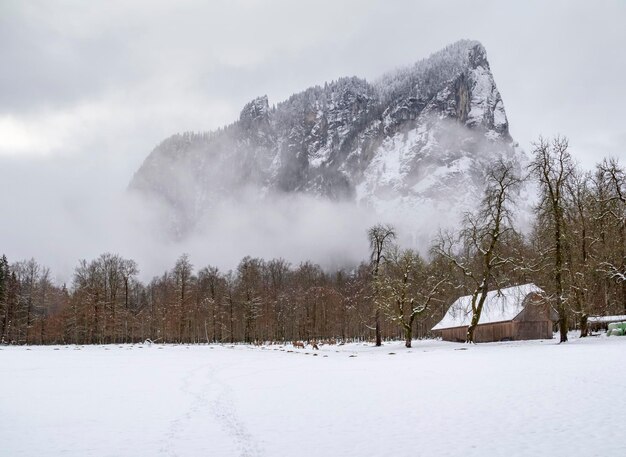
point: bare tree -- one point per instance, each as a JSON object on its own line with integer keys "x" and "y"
{"x": 28, "y": 273}
{"x": 381, "y": 238}
{"x": 578, "y": 244}
{"x": 249, "y": 286}
{"x": 44, "y": 288}
{"x": 182, "y": 273}
{"x": 614, "y": 177}
{"x": 481, "y": 256}
{"x": 5, "y": 275}
{"x": 278, "y": 272}
{"x": 407, "y": 288}
{"x": 553, "y": 167}
{"x": 211, "y": 289}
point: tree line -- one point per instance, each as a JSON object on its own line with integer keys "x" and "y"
{"x": 575, "y": 251}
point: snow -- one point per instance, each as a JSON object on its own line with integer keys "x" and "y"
{"x": 499, "y": 116}
{"x": 437, "y": 175}
{"x": 607, "y": 319}
{"x": 500, "y": 305}
{"x": 444, "y": 399}
{"x": 418, "y": 78}
{"x": 483, "y": 95}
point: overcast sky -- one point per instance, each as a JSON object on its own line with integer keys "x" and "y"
{"x": 89, "y": 88}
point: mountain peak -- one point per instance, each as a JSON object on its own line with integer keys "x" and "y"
{"x": 420, "y": 135}
{"x": 477, "y": 56}
{"x": 259, "y": 107}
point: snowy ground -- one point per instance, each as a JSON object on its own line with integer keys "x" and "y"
{"x": 444, "y": 399}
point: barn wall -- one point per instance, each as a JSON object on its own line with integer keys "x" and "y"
{"x": 533, "y": 323}
{"x": 456, "y": 334}
{"x": 539, "y": 330}
{"x": 483, "y": 333}
{"x": 502, "y": 331}
{"x": 495, "y": 332}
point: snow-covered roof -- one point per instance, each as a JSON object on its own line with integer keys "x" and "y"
{"x": 606, "y": 319}
{"x": 500, "y": 305}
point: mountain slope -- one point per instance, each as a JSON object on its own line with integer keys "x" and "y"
{"x": 416, "y": 141}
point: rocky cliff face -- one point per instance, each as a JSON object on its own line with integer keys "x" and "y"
{"x": 417, "y": 140}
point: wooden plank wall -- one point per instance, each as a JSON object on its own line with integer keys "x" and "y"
{"x": 537, "y": 330}
{"x": 502, "y": 331}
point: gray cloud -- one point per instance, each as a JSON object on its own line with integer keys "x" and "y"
{"x": 90, "y": 88}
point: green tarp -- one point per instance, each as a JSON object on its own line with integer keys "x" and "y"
{"x": 617, "y": 329}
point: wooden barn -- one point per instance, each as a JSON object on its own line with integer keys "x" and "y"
{"x": 514, "y": 313}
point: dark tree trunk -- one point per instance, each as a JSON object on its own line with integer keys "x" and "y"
{"x": 478, "y": 309}
{"x": 379, "y": 339}
{"x": 408, "y": 335}
{"x": 558, "y": 273}
{"x": 563, "y": 328}
{"x": 232, "y": 322}
{"x": 584, "y": 328}
{"x": 470, "y": 333}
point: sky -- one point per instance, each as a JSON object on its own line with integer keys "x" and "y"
{"x": 88, "y": 89}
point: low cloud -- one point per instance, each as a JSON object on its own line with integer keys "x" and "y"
{"x": 58, "y": 217}
{"x": 94, "y": 88}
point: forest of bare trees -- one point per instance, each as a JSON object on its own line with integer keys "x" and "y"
{"x": 575, "y": 251}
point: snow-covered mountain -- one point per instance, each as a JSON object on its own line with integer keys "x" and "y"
{"x": 416, "y": 141}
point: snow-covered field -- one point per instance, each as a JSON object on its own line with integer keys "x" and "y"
{"x": 444, "y": 399}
